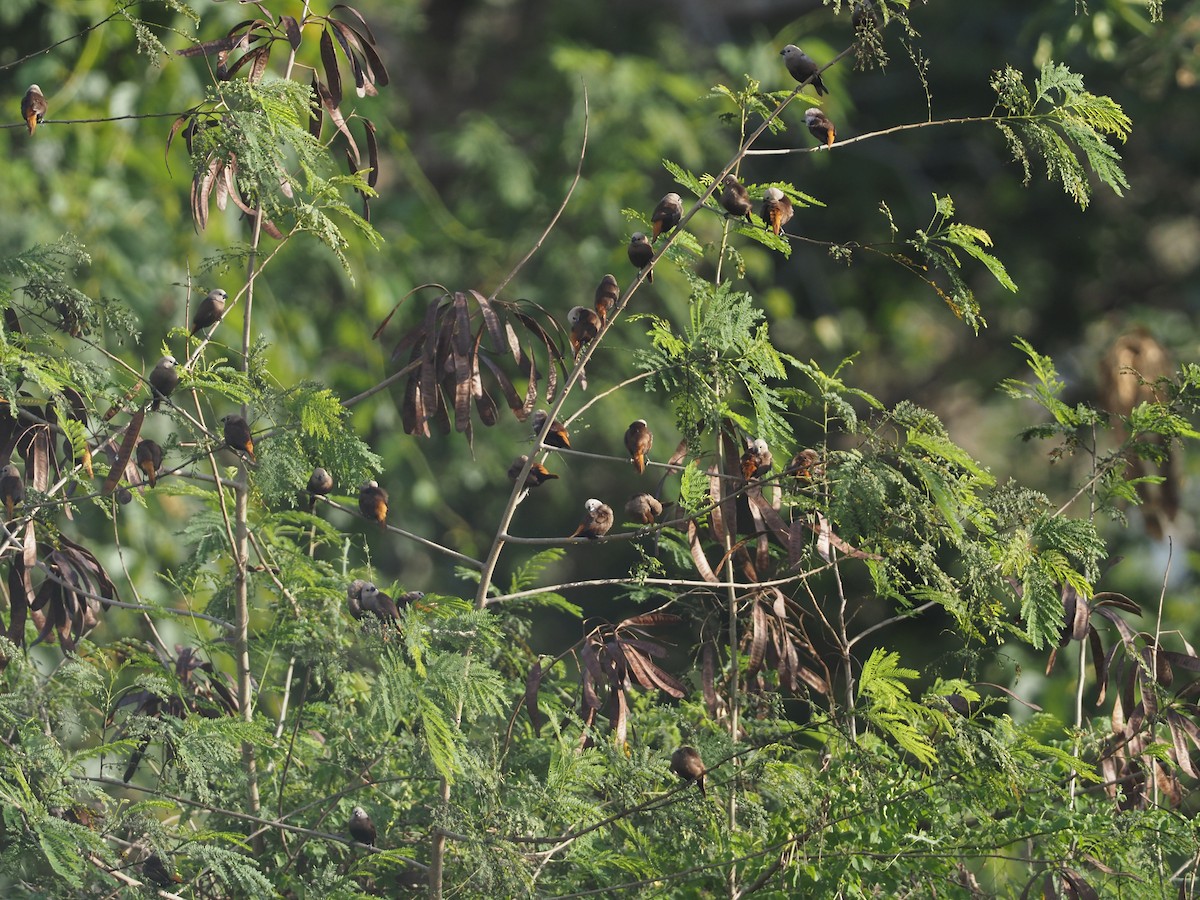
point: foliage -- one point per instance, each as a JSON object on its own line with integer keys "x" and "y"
{"x": 832, "y": 608}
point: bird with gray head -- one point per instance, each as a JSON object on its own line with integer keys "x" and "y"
{"x": 667, "y": 214}
{"x": 373, "y": 600}
{"x": 361, "y": 828}
{"x": 820, "y": 126}
{"x": 641, "y": 254}
{"x": 757, "y": 460}
{"x": 734, "y": 199}
{"x": 776, "y": 209}
{"x": 585, "y": 326}
{"x": 163, "y": 378}
{"x": 210, "y": 311}
{"x": 597, "y": 520}
{"x": 33, "y": 107}
{"x": 320, "y": 483}
{"x": 803, "y": 68}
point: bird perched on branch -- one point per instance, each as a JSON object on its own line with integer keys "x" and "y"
{"x": 237, "y": 435}
{"x": 158, "y": 873}
{"x": 585, "y": 325}
{"x": 643, "y": 508}
{"x": 12, "y": 488}
{"x": 734, "y": 199}
{"x": 597, "y": 520}
{"x": 373, "y": 502}
{"x": 33, "y": 107}
{"x": 803, "y": 68}
{"x": 756, "y": 461}
{"x": 667, "y": 214}
{"x": 163, "y": 380}
{"x": 641, "y": 254}
{"x": 149, "y": 459}
{"x": 607, "y": 294}
{"x": 776, "y": 209}
{"x": 372, "y": 600}
{"x": 686, "y": 763}
{"x": 538, "y": 474}
{"x": 805, "y": 465}
{"x": 820, "y": 126}
{"x": 320, "y": 483}
{"x": 638, "y": 441}
{"x": 361, "y": 828}
{"x": 210, "y": 311}
{"x": 557, "y": 435}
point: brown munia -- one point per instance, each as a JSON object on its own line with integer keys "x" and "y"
{"x": 643, "y": 508}
{"x": 538, "y": 474}
{"x": 597, "y": 520}
{"x": 585, "y": 325}
{"x": 805, "y": 465}
{"x": 607, "y": 295}
{"x": 372, "y": 600}
{"x": 361, "y": 828}
{"x": 776, "y": 209}
{"x": 33, "y": 107}
{"x": 12, "y": 488}
{"x": 237, "y": 435}
{"x": 803, "y": 68}
{"x": 638, "y": 441}
{"x": 320, "y": 483}
{"x": 756, "y": 461}
{"x": 163, "y": 378}
{"x": 557, "y": 435}
{"x": 734, "y": 199}
{"x": 149, "y": 459}
{"x": 210, "y": 311}
{"x": 156, "y": 871}
{"x": 667, "y": 214}
{"x": 373, "y": 502}
{"x": 687, "y": 764}
{"x": 820, "y": 126}
{"x": 641, "y": 254}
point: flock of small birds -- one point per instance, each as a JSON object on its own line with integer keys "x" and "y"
{"x": 363, "y": 597}
{"x": 586, "y": 324}
{"x": 776, "y": 210}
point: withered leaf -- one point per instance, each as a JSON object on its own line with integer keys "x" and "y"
{"x": 698, "y": 556}
{"x": 758, "y": 639}
{"x": 532, "y": 683}
{"x": 292, "y": 29}
{"x": 333, "y": 78}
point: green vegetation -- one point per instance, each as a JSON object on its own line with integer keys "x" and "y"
{"x": 884, "y": 600}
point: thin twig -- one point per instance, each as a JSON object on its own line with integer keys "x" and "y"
{"x": 424, "y": 542}
{"x": 44, "y": 51}
{"x": 655, "y": 582}
{"x": 512, "y": 273}
{"x": 783, "y": 151}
